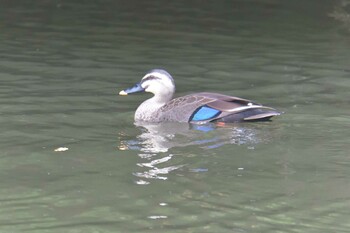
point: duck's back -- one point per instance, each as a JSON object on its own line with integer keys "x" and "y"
{"x": 205, "y": 107}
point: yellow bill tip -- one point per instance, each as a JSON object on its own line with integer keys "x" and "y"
{"x": 123, "y": 93}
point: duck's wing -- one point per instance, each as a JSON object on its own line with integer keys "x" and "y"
{"x": 205, "y": 107}
{"x": 182, "y": 108}
{"x": 234, "y": 109}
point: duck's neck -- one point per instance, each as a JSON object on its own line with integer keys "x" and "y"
{"x": 148, "y": 110}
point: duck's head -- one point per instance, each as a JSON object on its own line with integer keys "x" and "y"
{"x": 157, "y": 81}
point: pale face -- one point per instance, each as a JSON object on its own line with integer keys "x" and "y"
{"x": 158, "y": 83}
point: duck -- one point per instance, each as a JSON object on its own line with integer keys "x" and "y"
{"x": 196, "y": 108}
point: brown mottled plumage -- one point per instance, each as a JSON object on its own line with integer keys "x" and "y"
{"x": 161, "y": 107}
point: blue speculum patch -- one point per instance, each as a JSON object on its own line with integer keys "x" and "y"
{"x": 205, "y": 113}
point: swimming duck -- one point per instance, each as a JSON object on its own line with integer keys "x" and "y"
{"x": 198, "y": 108}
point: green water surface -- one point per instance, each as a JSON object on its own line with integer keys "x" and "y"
{"x": 61, "y": 68}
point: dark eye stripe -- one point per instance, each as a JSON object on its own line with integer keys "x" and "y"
{"x": 150, "y": 78}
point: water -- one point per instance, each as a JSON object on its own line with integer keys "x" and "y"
{"x": 63, "y": 63}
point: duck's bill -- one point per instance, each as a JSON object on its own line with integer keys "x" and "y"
{"x": 134, "y": 89}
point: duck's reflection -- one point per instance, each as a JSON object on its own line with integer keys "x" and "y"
{"x": 155, "y": 141}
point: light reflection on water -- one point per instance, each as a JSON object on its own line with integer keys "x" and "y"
{"x": 155, "y": 140}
